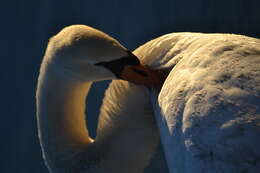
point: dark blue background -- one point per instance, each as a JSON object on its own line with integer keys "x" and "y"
{"x": 26, "y": 26}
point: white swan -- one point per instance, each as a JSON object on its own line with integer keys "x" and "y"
{"x": 207, "y": 110}
{"x": 126, "y": 135}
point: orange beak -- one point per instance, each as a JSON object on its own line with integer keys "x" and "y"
{"x": 143, "y": 75}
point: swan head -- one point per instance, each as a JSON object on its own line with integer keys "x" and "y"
{"x": 86, "y": 54}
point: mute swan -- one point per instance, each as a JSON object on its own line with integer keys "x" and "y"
{"x": 126, "y": 135}
{"x": 207, "y": 110}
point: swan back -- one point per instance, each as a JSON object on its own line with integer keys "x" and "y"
{"x": 208, "y": 108}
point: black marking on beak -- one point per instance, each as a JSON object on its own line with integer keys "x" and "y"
{"x": 140, "y": 72}
{"x": 117, "y": 66}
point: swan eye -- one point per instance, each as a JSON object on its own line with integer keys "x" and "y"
{"x": 117, "y": 66}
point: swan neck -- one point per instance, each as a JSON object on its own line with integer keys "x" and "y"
{"x": 61, "y": 117}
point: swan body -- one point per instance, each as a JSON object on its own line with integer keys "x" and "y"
{"x": 208, "y": 110}
{"x": 126, "y": 136}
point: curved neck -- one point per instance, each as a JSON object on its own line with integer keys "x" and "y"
{"x": 61, "y": 117}
{"x": 122, "y": 128}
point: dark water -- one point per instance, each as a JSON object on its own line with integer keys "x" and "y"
{"x": 27, "y": 25}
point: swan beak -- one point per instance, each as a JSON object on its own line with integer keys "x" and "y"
{"x": 142, "y": 75}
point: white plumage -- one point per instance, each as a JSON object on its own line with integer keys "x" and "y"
{"x": 126, "y": 134}
{"x": 208, "y": 110}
